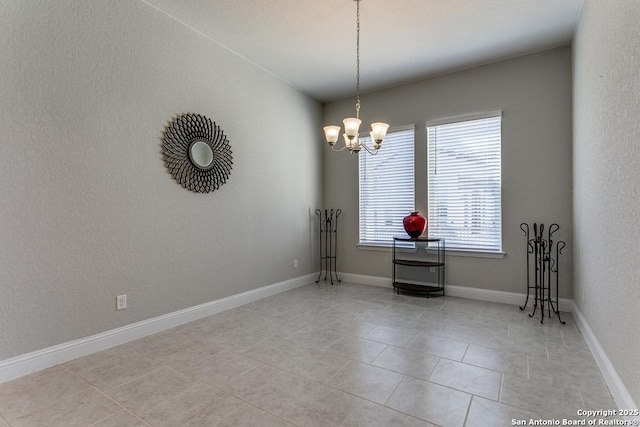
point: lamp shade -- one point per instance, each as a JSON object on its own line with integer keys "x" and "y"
{"x": 351, "y": 127}
{"x": 378, "y": 131}
{"x": 332, "y": 133}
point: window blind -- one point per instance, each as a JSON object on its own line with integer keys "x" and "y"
{"x": 464, "y": 183}
{"x": 386, "y": 189}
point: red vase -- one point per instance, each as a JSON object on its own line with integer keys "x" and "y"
{"x": 414, "y": 224}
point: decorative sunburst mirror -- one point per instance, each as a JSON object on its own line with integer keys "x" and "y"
{"x": 197, "y": 153}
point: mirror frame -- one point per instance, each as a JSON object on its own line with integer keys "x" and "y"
{"x": 179, "y": 136}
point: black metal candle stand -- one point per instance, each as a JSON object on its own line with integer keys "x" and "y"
{"x": 543, "y": 256}
{"x": 328, "y": 226}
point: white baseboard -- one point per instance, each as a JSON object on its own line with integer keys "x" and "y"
{"x": 513, "y": 298}
{"x": 41, "y": 359}
{"x": 360, "y": 279}
{"x": 45, "y": 358}
{"x": 614, "y": 382}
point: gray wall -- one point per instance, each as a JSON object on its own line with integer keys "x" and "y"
{"x": 534, "y": 94}
{"x": 88, "y": 209}
{"x": 606, "y": 180}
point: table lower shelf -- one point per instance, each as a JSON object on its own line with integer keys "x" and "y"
{"x": 413, "y": 288}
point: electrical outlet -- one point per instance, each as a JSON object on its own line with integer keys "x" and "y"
{"x": 295, "y": 263}
{"x": 121, "y": 302}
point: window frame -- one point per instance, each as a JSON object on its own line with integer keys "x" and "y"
{"x": 467, "y": 250}
{"x": 381, "y": 244}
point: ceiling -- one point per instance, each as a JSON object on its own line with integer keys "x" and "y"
{"x": 311, "y": 44}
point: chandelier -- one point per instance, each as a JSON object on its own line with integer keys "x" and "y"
{"x": 352, "y": 124}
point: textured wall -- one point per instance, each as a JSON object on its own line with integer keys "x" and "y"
{"x": 88, "y": 210}
{"x": 534, "y": 94}
{"x": 607, "y": 180}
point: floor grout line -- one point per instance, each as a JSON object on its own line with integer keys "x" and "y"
{"x": 473, "y": 330}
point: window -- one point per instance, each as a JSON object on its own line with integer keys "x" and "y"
{"x": 465, "y": 182}
{"x": 387, "y": 192}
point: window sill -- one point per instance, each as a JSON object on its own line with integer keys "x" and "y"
{"x": 449, "y": 252}
{"x": 475, "y": 254}
{"x": 384, "y": 248}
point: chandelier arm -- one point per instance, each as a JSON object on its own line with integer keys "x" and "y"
{"x": 372, "y": 151}
{"x": 343, "y": 147}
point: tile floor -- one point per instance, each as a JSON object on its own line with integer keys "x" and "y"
{"x": 347, "y": 355}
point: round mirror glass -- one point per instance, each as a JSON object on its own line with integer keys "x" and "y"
{"x": 201, "y": 154}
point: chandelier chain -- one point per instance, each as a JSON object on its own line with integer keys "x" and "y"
{"x": 352, "y": 141}
{"x": 357, "y": 59}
